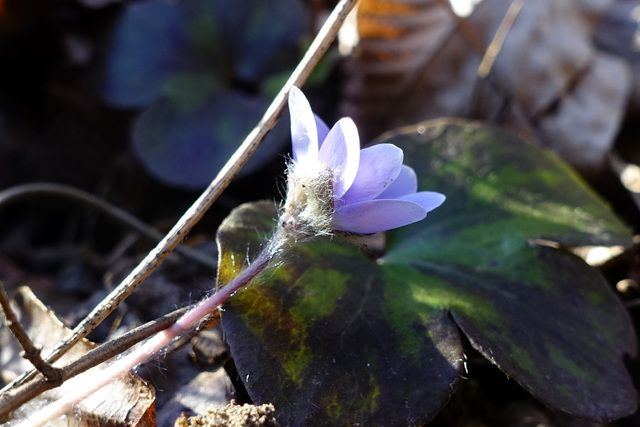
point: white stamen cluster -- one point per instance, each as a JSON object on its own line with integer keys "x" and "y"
{"x": 308, "y": 210}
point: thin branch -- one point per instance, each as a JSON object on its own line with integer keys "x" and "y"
{"x": 90, "y": 382}
{"x": 22, "y": 394}
{"x": 39, "y": 189}
{"x": 490, "y": 54}
{"x": 318, "y": 47}
{"x": 498, "y": 39}
{"x": 30, "y": 352}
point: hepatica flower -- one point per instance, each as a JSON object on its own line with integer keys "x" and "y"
{"x": 335, "y": 186}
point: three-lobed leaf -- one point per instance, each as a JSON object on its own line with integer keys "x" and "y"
{"x": 331, "y": 337}
{"x": 199, "y": 66}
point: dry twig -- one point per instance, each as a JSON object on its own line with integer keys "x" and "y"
{"x": 30, "y": 352}
{"x": 46, "y": 189}
{"x": 498, "y": 39}
{"x": 22, "y": 394}
{"x": 490, "y": 54}
{"x": 178, "y": 233}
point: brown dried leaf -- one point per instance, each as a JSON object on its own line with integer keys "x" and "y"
{"x": 545, "y": 70}
{"x": 586, "y": 121}
{"x": 545, "y": 51}
{"x": 127, "y": 401}
{"x": 394, "y": 54}
{"x": 206, "y": 390}
{"x": 618, "y": 33}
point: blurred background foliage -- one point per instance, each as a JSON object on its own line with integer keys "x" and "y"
{"x": 203, "y": 73}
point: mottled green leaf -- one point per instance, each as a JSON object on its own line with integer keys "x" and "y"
{"x": 312, "y": 335}
{"x": 541, "y": 314}
{"x": 333, "y": 338}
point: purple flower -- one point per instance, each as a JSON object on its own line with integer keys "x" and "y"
{"x": 333, "y": 185}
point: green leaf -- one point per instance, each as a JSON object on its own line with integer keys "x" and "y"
{"x": 331, "y": 337}
{"x": 199, "y": 65}
{"x": 312, "y": 335}
{"x": 545, "y": 318}
{"x": 148, "y": 45}
{"x": 258, "y": 34}
{"x": 157, "y": 46}
{"x": 188, "y": 91}
{"x": 186, "y": 145}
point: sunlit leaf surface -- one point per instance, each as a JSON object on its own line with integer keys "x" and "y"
{"x": 331, "y": 337}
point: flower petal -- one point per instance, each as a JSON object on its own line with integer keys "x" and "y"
{"x": 405, "y": 183}
{"x": 304, "y": 135}
{"x": 429, "y": 200}
{"x": 377, "y": 215}
{"x": 379, "y": 167}
{"x": 341, "y": 153}
{"x": 323, "y": 130}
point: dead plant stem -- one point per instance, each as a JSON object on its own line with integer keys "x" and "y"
{"x": 90, "y": 382}
{"x": 179, "y": 232}
{"x": 25, "y": 392}
{"x": 47, "y": 189}
{"x": 29, "y": 350}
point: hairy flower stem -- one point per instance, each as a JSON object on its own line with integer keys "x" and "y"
{"x": 86, "y": 384}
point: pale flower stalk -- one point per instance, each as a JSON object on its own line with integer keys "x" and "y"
{"x": 333, "y": 187}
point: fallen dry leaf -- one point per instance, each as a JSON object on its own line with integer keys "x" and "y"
{"x": 206, "y": 390}
{"x": 127, "y": 401}
{"x": 618, "y": 32}
{"x": 415, "y": 62}
{"x": 584, "y": 125}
